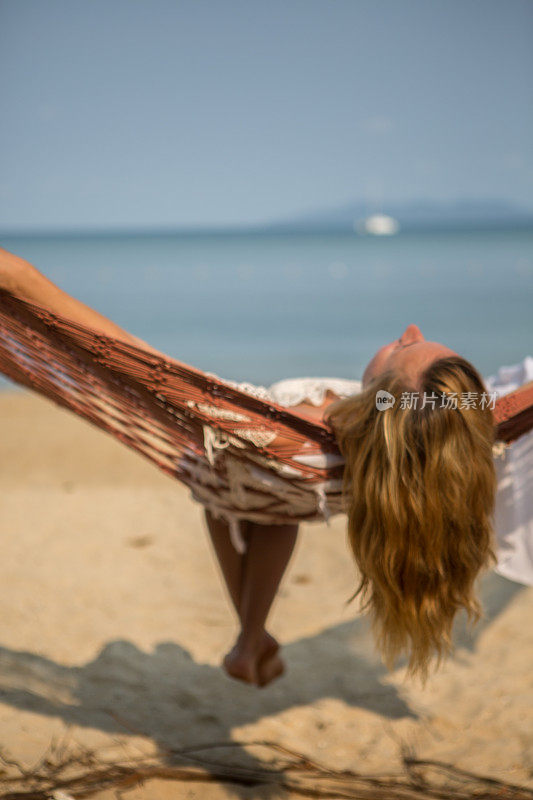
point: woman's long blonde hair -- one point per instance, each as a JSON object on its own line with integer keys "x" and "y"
{"x": 419, "y": 489}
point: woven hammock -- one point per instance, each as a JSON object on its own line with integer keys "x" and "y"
{"x": 241, "y": 456}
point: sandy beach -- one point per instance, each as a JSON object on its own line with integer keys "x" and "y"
{"x": 114, "y": 620}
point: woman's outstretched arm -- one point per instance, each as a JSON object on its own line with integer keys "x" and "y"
{"x": 21, "y": 278}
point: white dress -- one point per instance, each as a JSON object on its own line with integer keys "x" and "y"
{"x": 513, "y": 518}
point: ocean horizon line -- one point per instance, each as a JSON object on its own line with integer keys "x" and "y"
{"x": 258, "y": 230}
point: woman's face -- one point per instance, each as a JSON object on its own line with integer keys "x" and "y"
{"x": 408, "y": 355}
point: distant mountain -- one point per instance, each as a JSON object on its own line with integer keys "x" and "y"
{"x": 414, "y": 215}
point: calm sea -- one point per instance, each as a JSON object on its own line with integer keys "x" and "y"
{"x": 266, "y": 307}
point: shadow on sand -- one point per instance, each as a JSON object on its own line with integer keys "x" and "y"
{"x": 164, "y": 694}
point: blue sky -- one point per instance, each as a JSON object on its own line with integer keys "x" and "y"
{"x": 223, "y": 112}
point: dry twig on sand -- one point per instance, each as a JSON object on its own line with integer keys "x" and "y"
{"x": 66, "y": 772}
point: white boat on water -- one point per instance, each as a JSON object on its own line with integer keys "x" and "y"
{"x": 377, "y": 225}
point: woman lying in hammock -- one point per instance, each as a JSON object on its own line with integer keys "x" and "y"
{"x": 420, "y": 490}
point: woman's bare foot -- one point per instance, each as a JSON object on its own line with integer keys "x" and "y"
{"x": 241, "y": 665}
{"x": 270, "y": 665}
{"x": 257, "y": 666}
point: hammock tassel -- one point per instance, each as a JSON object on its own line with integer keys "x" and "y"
{"x": 499, "y": 449}
{"x": 235, "y": 535}
{"x": 322, "y": 502}
{"x": 213, "y": 441}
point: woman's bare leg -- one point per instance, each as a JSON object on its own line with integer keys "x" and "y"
{"x": 230, "y": 561}
{"x": 269, "y": 550}
{"x": 232, "y": 567}
{"x": 252, "y": 580}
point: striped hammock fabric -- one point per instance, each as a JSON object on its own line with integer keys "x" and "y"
{"x": 241, "y": 456}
